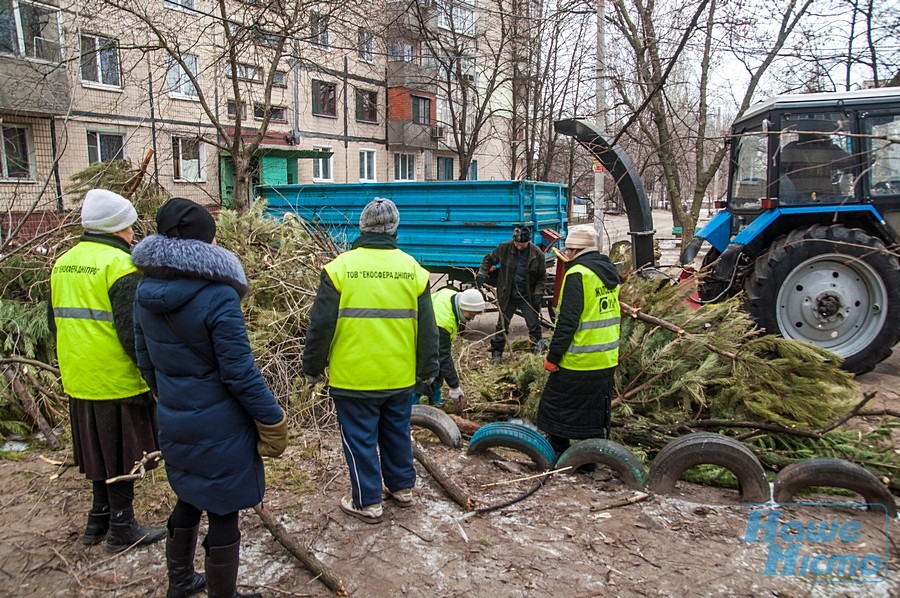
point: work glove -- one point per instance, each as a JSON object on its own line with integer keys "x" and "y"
{"x": 459, "y": 397}
{"x": 313, "y": 380}
{"x": 273, "y": 438}
{"x": 550, "y": 367}
{"x": 479, "y": 279}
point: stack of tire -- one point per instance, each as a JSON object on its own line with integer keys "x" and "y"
{"x": 685, "y": 452}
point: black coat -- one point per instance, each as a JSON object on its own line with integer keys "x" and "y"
{"x": 507, "y": 256}
{"x": 576, "y": 404}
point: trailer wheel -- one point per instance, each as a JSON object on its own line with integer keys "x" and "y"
{"x": 831, "y": 286}
{"x": 438, "y": 422}
{"x": 829, "y": 472}
{"x": 608, "y": 453}
{"x": 707, "y": 448}
{"x": 513, "y": 436}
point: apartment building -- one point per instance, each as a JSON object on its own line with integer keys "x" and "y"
{"x": 267, "y": 94}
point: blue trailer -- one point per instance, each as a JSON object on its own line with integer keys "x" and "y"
{"x": 448, "y": 226}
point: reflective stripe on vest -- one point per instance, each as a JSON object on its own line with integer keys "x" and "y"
{"x": 92, "y": 362}
{"x": 443, "y": 311}
{"x": 374, "y": 345}
{"x": 595, "y": 345}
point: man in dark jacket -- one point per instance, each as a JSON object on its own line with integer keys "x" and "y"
{"x": 372, "y": 324}
{"x": 584, "y": 350}
{"x": 520, "y": 287}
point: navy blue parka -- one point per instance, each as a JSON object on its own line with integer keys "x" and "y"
{"x": 193, "y": 350}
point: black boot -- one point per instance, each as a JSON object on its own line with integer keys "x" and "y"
{"x": 125, "y": 535}
{"x": 96, "y": 528}
{"x": 181, "y": 544}
{"x": 221, "y": 571}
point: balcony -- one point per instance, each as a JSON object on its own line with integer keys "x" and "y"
{"x": 412, "y": 134}
{"x": 40, "y": 89}
{"x": 412, "y": 75}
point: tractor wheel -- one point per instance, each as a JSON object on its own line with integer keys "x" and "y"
{"x": 711, "y": 290}
{"x": 830, "y": 286}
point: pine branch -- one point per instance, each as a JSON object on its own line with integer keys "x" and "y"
{"x": 639, "y": 315}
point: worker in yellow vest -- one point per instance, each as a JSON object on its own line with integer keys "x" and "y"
{"x": 372, "y": 324}
{"x": 112, "y": 412}
{"x": 584, "y": 350}
{"x": 451, "y": 308}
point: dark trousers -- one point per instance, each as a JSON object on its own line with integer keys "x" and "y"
{"x": 114, "y": 498}
{"x": 532, "y": 320}
{"x": 223, "y": 529}
{"x": 375, "y": 437}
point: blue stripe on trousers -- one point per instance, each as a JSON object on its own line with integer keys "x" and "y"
{"x": 370, "y": 427}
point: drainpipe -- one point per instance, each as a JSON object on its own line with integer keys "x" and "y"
{"x": 56, "y": 158}
{"x": 153, "y": 125}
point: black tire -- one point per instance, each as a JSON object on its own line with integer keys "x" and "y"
{"x": 710, "y": 290}
{"x": 516, "y": 437}
{"x": 608, "y": 453}
{"x": 704, "y": 448}
{"x": 438, "y": 422}
{"x": 831, "y": 286}
{"x": 835, "y": 473}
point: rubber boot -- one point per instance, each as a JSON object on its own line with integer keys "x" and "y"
{"x": 125, "y": 535}
{"x": 221, "y": 571}
{"x": 181, "y": 543}
{"x": 96, "y": 528}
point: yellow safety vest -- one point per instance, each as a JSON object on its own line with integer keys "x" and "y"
{"x": 443, "y": 311}
{"x": 92, "y": 362}
{"x": 595, "y": 345}
{"x": 374, "y": 345}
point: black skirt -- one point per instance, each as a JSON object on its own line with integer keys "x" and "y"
{"x": 576, "y": 404}
{"x": 110, "y": 436}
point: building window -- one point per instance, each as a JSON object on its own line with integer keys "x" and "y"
{"x": 366, "y": 44}
{"x": 177, "y": 77}
{"x": 318, "y": 30}
{"x": 367, "y": 106}
{"x": 103, "y": 147}
{"x": 30, "y": 30}
{"x": 460, "y": 19}
{"x": 324, "y": 100}
{"x": 245, "y": 72}
{"x": 100, "y": 60}
{"x": 404, "y": 167}
{"x": 421, "y": 110}
{"x": 279, "y": 79}
{"x": 322, "y": 166}
{"x": 179, "y": 4}
{"x": 472, "y": 174}
{"x": 187, "y": 159}
{"x": 232, "y": 107}
{"x": 275, "y": 113}
{"x": 401, "y": 51}
{"x": 445, "y": 170}
{"x": 15, "y": 154}
{"x": 366, "y": 165}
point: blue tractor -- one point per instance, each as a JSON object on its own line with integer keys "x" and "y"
{"x": 810, "y": 229}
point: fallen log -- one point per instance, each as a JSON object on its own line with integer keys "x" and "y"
{"x": 458, "y": 495}
{"x": 319, "y": 569}
{"x": 466, "y": 426}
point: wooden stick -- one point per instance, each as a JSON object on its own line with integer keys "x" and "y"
{"x": 141, "y": 171}
{"x": 628, "y": 501}
{"x": 30, "y": 407}
{"x": 138, "y": 471}
{"x": 531, "y": 477}
{"x": 458, "y": 495}
{"x": 319, "y": 569}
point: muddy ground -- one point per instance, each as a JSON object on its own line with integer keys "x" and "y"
{"x": 571, "y": 538}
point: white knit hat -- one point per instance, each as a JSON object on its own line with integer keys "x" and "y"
{"x": 379, "y": 216}
{"x": 471, "y": 300}
{"x": 582, "y": 237}
{"x": 106, "y": 212}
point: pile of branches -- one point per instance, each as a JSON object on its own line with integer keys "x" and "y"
{"x": 684, "y": 369}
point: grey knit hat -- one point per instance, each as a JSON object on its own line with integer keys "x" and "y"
{"x": 379, "y": 216}
{"x": 106, "y": 212}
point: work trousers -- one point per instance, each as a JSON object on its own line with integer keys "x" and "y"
{"x": 532, "y": 320}
{"x": 377, "y": 445}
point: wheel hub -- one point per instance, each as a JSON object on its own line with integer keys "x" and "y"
{"x": 828, "y": 305}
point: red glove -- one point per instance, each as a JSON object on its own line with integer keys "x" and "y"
{"x": 550, "y": 367}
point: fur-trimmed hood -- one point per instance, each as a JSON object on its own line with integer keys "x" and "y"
{"x": 171, "y": 261}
